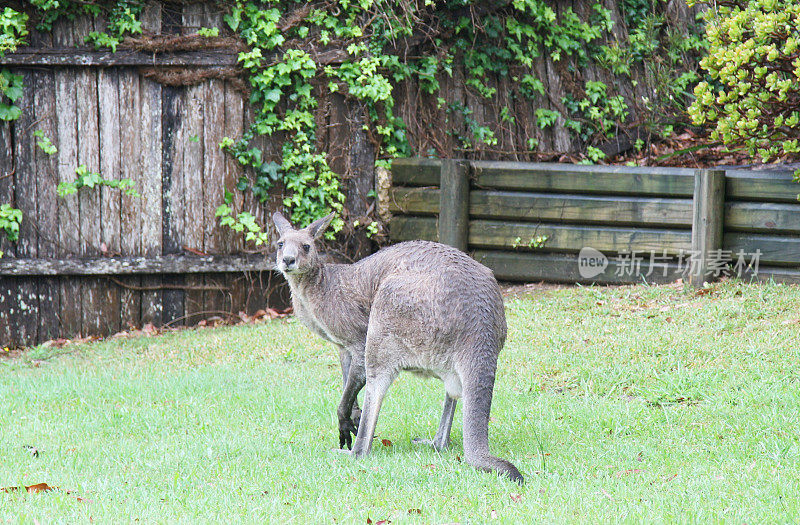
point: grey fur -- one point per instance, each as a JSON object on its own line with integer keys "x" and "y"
{"x": 418, "y": 306}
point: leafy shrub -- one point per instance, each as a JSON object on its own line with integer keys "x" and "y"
{"x": 753, "y": 60}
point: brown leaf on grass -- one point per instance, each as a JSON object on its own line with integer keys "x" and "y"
{"x": 386, "y": 442}
{"x": 36, "y": 488}
{"x": 516, "y": 498}
{"x": 628, "y": 472}
{"x": 33, "y": 489}
{"x": 415, "y": 511}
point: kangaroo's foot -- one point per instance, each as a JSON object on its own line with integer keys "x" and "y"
{"x": 346, "y": 432}
{"x": 438, "y": 445}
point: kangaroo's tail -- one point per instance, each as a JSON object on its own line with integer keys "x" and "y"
{"x": 477, "y": 397}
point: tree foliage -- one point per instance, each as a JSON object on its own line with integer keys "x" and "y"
{"x": 753, "y": 94}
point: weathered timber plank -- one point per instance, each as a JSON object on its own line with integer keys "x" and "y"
{"x": 414, "y": 201}
{"x": 774, "y": 250}
{"x": 159, "y": 264}
{"x": 84, "y": 57}
{"x": 213, "y": 183}
{"x": 774, "y": 274}
{"x": 48, "y": 204}
{"x": 152, "y": 146}
{"x": 708, "y": 209}
{"x": 416, "y": 172}
{"x": 454, "y": 204}
{"x": 193, "y": 155}
{"x": 108, "y": 90}
{"x": 569, "y": 178}
{"x": 172, "y": 198}
{"x": 9, "y": 249}
{"x": 234, "y": 243}
{"x": 93, "y": 312}
{"x": 67, "y": 156}
{"x": 762, "y": 217}
{"x": 25, "y": 299}
{"x": 130, "y": 117}
{"x": 491, "y": 204}
{"x": 151, "y": 181}
{"x": 499, "y": 234}
{"x": 516, "y": 266}
{"x": 412, "y": 228}
{"x": 766, "y": 186}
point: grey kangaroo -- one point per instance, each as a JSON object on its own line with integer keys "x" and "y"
{"x": 418, "y": 306}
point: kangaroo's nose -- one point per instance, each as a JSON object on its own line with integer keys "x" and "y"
{"x": 288, "y": 260}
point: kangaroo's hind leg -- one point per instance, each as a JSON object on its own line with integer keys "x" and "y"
{"x": 442, "y": 439}
{"x": 346, "y": 358}
{"x": 377, "y": 385}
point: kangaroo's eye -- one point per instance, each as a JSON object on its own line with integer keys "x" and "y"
{"x": 280, "y": 245}
{"x": 306, "y": 247}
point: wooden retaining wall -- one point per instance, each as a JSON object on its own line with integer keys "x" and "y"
{"x": 652, "y": 224}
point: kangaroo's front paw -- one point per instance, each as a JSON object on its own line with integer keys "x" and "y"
{"x": 346, "y": 432}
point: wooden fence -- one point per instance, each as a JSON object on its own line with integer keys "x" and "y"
{"x": 533, "y": 222}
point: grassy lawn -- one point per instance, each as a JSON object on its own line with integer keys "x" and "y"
{"x": 633, "y": 404}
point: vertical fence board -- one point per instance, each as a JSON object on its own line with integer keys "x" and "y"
{"x": 110, "y": 199}
{"x": 25, "y": 302}
{"x": 68, "y": 209}
{"x": 150, "y": 177}
{"x": 172, "y": 198}
{"x": 131, "y": 207}
{"x": 213, "y": 184}
{"x": 708, "y": 213}
{"x": 234, "y": 127}
{"x": 193, "y": 156}
{"x": 47, "y": 220}
{"x": 7, "y": 168}
{"x": 151, "y": 142}
{"x": 92, "y": 291}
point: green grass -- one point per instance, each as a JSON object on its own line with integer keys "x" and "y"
{"x": 633, "y": 404}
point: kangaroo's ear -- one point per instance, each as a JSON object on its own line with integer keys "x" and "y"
{"x": 281, "y": 224}
{"x": 317, "y": 228}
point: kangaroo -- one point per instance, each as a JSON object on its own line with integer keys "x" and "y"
{"x": 418, "y": 306}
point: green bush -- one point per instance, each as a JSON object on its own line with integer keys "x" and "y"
{"x": 753, "y": 96}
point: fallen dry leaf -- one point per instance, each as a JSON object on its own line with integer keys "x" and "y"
{"x": 516, "y": 498}
{"x": 628, "y": 472}
{"x": 415, "y": 511}
{"x": 386, "y": 442}
{"x": 33, "y": 489}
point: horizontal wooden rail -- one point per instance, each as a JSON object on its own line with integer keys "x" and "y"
{"x": 587, "y": 209}
{"x": 511, "y": 266}
{"x": 765, "y": 217}
{"x": 27, "y": 56}
{"x": 511, "y": 235}
{"x": 569, "y": 178}
{"x": 164, "y": 264}
{"x": 777, "y": 250}
{"x": 766, "y": 186}
{"x": 87, "y": 57}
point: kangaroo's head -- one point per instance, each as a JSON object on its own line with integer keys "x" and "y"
{"x": 297, "y": 251}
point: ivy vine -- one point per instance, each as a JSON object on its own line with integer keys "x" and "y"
{"x": 381, "y": 43}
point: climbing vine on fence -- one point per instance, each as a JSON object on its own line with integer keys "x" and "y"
{"x": 379, "y": 43}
